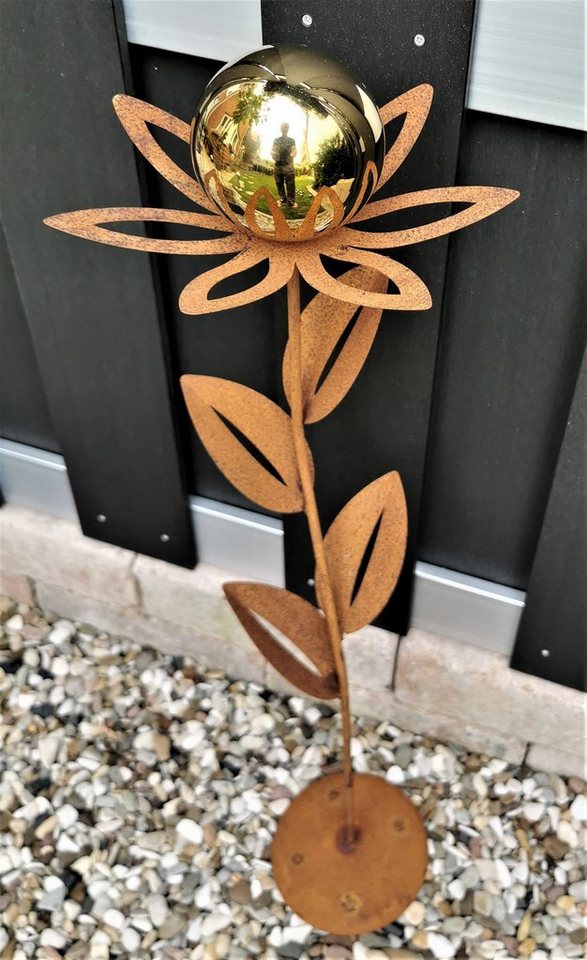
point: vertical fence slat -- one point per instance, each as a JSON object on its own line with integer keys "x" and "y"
{"x": 383, "y": 423}
{"x": 92, "y": 310}
{"x": 551, "y": 638}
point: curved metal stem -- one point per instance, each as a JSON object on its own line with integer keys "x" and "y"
{"x": 313, "y": 518}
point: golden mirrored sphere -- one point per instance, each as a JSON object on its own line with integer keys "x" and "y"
{"x": 287, "y": 143}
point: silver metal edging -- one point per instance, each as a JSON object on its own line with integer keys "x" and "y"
{"x": 249, "y": 544}
{"x": 527, "y": 60}
{"x": 36, "y": 479}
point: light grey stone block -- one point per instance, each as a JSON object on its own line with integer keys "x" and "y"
{"x": 239, "y": 659}
{"x": 370, "y": 657}
{"x": 189, "y": 598}
{"x": 478, "y": 687}
{"x": 55, "y": 551}
{"x": 17, "y": 587}
{"x": 420, "y": 718}
{"x": 553, "y": 760}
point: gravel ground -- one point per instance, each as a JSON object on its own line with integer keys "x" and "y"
{"x": 138, "y": 798}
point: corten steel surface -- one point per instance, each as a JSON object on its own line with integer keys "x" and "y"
{"x": 362, "y": 843}
{"x": 350, "y": 881}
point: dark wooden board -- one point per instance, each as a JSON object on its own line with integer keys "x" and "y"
{"x": 512, "y": 340}
{"x": 92, "y": 310}
{"x": 382, "y": 424}
{"x": 24, "y": 412}
{"x": 551, "y": 639}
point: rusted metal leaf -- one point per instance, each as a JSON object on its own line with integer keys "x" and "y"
{"x": 89, "y": 225}
{"x": 413, "y": 294}
{"x": 213, "y": 404}
{"x": 299, "y": 622}
{"x": 195, "y": 297}
{"x": 415, "y": 104}
{"x": 484, "y": 201}
{"x": 324, "y": 321}
{"x": 377, "y": 513}
{"x": 135, "y": 115}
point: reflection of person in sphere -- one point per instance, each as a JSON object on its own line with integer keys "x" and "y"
{"x": 283, "y": 153}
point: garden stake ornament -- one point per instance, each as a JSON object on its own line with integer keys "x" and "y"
{"x": 288, "y": 149}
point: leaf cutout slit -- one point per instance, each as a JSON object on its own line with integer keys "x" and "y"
{"x": 365, "y": 561}
{"x": 240, "y": 282}
{"x": 338, "y": 347}
{"x": 250, "y": 447}
{"x": 286, "y": 643}
{"x": 392, "y": 287}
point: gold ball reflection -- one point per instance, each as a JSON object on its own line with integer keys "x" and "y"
{"x": 286, "y": 143}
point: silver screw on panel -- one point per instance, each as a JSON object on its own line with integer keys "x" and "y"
{"x": 307, "y": 20}
{"x": 101, "y": 518}
{"x": 419, "y": 40}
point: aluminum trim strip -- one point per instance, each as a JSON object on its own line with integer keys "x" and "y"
{"x": 250, "y": 545}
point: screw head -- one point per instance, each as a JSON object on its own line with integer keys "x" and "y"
{"x": 164, "y": 538}
{"x": 545, "y": 653}
{"x": 101, "y": 518}
{"x": 419, "y": 40}
{"x": 307, "y": 20}
{"x": 311, "y": 582}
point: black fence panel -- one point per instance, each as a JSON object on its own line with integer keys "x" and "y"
{"x": 234, "y": 344}
{"x": 24, "y": 412}
{"x": 511, "y": 344}
{"x": 551, "y": 641}
{"x": 382, "y": 424}
{"x": 92, "y": 310}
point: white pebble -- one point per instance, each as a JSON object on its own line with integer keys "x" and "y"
{"x": 215, "y": 922}
{"x": 61, "y": 632}
{"x": 414, "y": 914}
{"x": 130, "y": 940}
{"x": 67, "y": 815}
{"x": 579, "y": 807}
{"x": 441, "y": 947}
{"x": 395, "y": 774}
{"x": 53, "y": 938}
{"x": 14, "y": 624}
{"x": 566, "y": 833}
{"x": 189, "y": 832}
{"x": 114, "y": 918}
{"x": 157, "y": 908}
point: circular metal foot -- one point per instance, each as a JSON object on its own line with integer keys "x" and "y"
{"x": 350, "y": 874}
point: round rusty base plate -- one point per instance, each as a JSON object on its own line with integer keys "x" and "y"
{"x": 350, "y": 880}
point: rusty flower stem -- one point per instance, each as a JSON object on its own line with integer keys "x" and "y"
{"x": 313, "y": 518}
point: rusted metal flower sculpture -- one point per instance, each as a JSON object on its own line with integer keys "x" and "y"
{"x": 350, "y": 853}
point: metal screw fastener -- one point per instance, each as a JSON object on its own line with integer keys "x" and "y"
{"x": 545, "y": 653}
{"x": 311, "y": 582}
{"x": 101, "y": 518}
{"x": 164, "y": 538}
{"x": 307, "y": 20}
{"x": 297, "y": 858}
{"x": 419, "y": 40}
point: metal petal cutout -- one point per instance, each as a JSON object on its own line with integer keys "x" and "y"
{"x": 195, "y": 298}
{"x": 324, "y": 321}
{"x": 214, "y": 404}
{"x": 88, "y": 225}
{"x": 299, "y": 622}
{"x": 415, "y": 103}
{"x": 134, "y": 116}
{"x": 484, "y": 201}
{"x": 413, "y": 292}
{"x": 378, "y": 511}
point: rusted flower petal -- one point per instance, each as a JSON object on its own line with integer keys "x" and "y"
{"x": 412, "y": 292}
{"x": 195, "y": 298}
{"x": 88, "y": 224}
{"x": 483, "y": 201}
{"x": 134, "y": 116}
